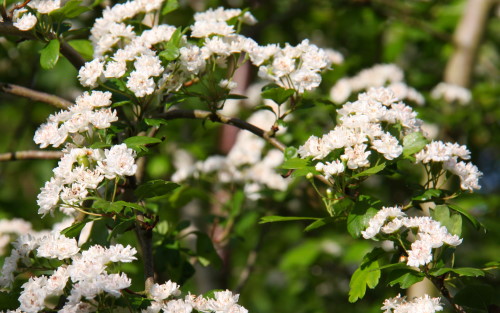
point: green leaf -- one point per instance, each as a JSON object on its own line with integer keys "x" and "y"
{"x": 100, "y": 145}
{"x": 74, "y": 230}
{"x": 139, "y": 143}
{"x": 428, "y": 195}
{"x": 171, "y": 49}
{"x": 121, "y": 227}
{"x": 320, "y": 223}
{"x": 477, "y": 225}
{"x": 295, "y": 163}
{"x": 130, "y": 205}
{"x": 155, "y": 121}
{"x": 371, "y": 171}
{"x": 301, "y": 256}
{"x": 170, "y": 5}
{"x": 276, "y": 93}
{"x": 235, "y": 96}
{"x": 358, "y": 218}
{"x": 413, "y": 143}
{"x": 461, "y": 271}
{"x": 453, "y": 222}
{"x": 405, "y": 277}
{"x": 84, "y": 47}
{"x": 272, "y": 219}
{"x": 155, "y": 189}
{"x": 49, "y": 55}
{"x": 206, "y": 252}
{"x": 368, "y": 274}
{"x": 290, "y": 153}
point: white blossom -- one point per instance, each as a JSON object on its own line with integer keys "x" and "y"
{"x": 119, "y": 161}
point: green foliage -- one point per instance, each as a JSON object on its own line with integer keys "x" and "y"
{"x": 367, "y": 275}
{"x": 49, "y": 55}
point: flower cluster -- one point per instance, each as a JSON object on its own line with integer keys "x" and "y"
{"x": 430, "y": 235}
{"x": 361, "y": 123}
{"x": 448, "y": 154}
{"x": 79, "y": 173}
{"x": 86, "y": 270}
{"x": 25, "y": 20}
{"x": 11, "y": 227}
{"x": 223, "y": 301}
{"x": 246, "y": 162}
{"x": 86, "y": 114}
{"x": 451, "y": 93}
{"x": 399, "y": 304}
{"x": 379, "y": 75}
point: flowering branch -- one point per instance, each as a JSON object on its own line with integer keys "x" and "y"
{"x": 8, "y": 29}
{"x": 35, "y": 95}
{"x": 30, "y": 155}
{"x": 217, "y": 117}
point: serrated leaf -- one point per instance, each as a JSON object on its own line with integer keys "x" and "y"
{"x": 367, "y": 275}
{"x": 272, "y": 219}
{"x": 413, "y": 143}
{"x": 462, "y": 271}
{"x": 453, "y": 222}
{"x": 469, "y": 217}
{"x": 405, "y": 277}
{"x": 277, "y": 94}
{"x": 84, "y": 47}
{"x": 320, "y": 223}
{"x": 155, "y": 121}
{"x": 428, "y": 194}
{"x": 295, "y": 163}
{"x": 170, "y": 6}
{"x": 371, "y": 171}
{"x": 74, "y": 230}
{"x": 155, "y": 189}
{"x": 358, "y": 218}
{"x": 49, "y": 55}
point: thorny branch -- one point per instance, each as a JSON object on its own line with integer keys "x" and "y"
{"x": 35, "y": 95}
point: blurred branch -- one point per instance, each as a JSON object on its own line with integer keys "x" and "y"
{"x": 467, "y": 38}
{"x": 35, "y": 95}
{"x": 30, "y": 155}
{"x": 7, "y": 29}
{"x": 216, "y": 117}
{"x": 407, "y": 16}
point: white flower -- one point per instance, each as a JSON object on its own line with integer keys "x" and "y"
{"x": 305, "y": 79}
{"x": 26, "y": 22}
{"x": 90, "y": 73}
{"x": 119, "y": 253}
{"x": 57, "y": 246}
{"x": 140, "y": 84}
{"x": 388, "y": 145}
{"x": 149, "y": 65}
{"x": 115, "y": 69}
{"x": 331, "y": 169}
{"x": 205, "y": 28}
{"x": 191, "y": 59}
{"x": 94, "y": 99}
{"x": 48, "y": 197}
{"x": 420, "y": 253}
{"x": 178, "y": 306}
{"x": 113, "y": 283}
{"x": 423, "y": 304}
{"x": 45, "y": 6}
{"x": 163, "y": 291}
{"x": 57, "y": 281}
{"x": 356, "y": 156}
{"x": 451, "y": 93}
{"x": 377, "y": 221}
{"x": 119, "y": 161}
{"x": 32, "y": 298}
{"x": 50, "y": 134}
{"x": 102, "y": 119}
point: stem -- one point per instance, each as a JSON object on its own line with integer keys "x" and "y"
{"x": 30, "y": 155}
{"x": 439, "y": 283}
{"x": 35, "y": 95}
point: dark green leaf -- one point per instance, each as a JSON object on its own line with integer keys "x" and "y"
{"x": 121, "y": 227}
{"x": 471, "y": 218}
{"x": 277, "y": 94}
{"x": 155, "y": 188}
{"x": 405, "y": 277}
{"x": 206, "y": 252}
{"x": 75, "y": 229}
{"x": 413, "y": 143}
{"x": 461, "y": 271}
{"x": 129, "y": 205}
{"x": 141, "y": 140}
{"x": 370, "y": 171}
{"x": 358, "y": 218}
{"x": 84, "y": 47}
{"x": 428, "y": 195}
{"x": 235, "y": 96}
{"x": 170, "y": 5}
{"x": 155, "y": 121}
{"x": 49, "y": 55}
{"x": 320, "y": 223}
{"x": 272, "y": 219}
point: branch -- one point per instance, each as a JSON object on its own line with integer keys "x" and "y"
{"x": 7, "y": 29}
{"x": 439, "y": 283}
{"x": 30, "y": 155}
{"x": 467, "y": 38}
{"x": 216, "y": 117}
{"x": 35, "y": 95}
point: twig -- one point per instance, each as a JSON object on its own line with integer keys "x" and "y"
{"x": 7, "y": 29}
{"x": 439, "y": 283}
{"x": 217, "y": 117}
{"x": 30, "y": 155}
{"x": 35, "y": 95}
